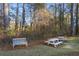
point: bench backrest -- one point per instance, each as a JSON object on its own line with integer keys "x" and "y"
{"x": 19, "y": 41}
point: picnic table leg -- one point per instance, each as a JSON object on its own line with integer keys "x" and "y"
{"x": 55, "y": 46}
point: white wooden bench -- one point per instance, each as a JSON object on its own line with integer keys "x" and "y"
{"x": 19, "y": 41}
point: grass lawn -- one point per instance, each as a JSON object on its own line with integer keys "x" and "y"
{"x": 69, "y": 48}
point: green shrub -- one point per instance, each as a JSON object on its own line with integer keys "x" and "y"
{"x": 11, "y": 33}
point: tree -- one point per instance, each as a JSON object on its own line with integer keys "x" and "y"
{"x": 1, "y": 15}
{"x": 71, "y": 17}
{"x": 37, "y": 7}
{"x": 76, "y": 18}
{"x": 16, "y": 20}
{"x": 55, "y": 14}
{"x": 23, "y": 16}
{"x": 5, "y": 16}
{"x": 42, "y": 22}
{"x": 60, "y": 18}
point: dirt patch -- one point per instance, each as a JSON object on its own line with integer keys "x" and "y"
{"x": 36, "y": 42}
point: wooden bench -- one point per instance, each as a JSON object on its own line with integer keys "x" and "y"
{"x": 19, "y": 41}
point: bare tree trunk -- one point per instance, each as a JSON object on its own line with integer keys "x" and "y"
{"x": 55, "y": 15}
{"x": 23, "y": 17}
{"x": 71, "y": 17}
{"x": 16, "y": 20}
{"x": 76, "y": 18}
{"x": 5, "y": 16}
{"x": 60, "y": 19}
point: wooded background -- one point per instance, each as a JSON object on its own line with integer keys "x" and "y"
{"x": 38, "y": 20}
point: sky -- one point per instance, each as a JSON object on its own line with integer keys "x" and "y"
{"x": 12, "y": 10}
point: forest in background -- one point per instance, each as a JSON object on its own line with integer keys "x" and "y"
{"x": 38, "y": 20}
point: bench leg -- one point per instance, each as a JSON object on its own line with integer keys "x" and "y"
{"x": 26, "y": 45}
{"x": 13, "y": 46}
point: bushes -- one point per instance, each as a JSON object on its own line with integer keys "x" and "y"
{"x": 5, "y": 39}
{"x": 11, "y": 33}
